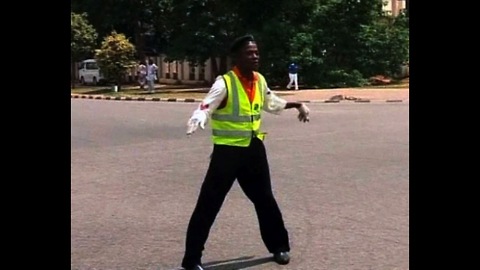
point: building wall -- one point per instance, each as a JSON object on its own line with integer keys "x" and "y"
{"x": 175, "y": 72}
{"x": 394, "y": 6}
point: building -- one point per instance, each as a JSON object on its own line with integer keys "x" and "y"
{"x": 393, "y": 7}
{"x": 177, "y": 72}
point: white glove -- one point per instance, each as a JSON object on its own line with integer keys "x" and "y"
{"x": 198, "y": 118}
{"x": 303, "y": 113}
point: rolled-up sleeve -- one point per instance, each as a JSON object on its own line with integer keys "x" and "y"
{"x": 272, "y": 103}
{"x": 214, "y": 98}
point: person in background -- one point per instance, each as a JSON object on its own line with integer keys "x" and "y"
{"x": 151, "y": 75}
{"x": 293, "y": 75}
{"x": 142, "y": 74}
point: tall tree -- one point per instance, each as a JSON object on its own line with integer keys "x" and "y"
{"x": 115, "y": 57}
{"x": 200, "y": 30}
{"x": 82, "y": 43}
{"x": 134, "y": 18}
{"x": 326, "y": 37}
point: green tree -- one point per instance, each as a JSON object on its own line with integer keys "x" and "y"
{"x": 115, "y": 57}
{"x": 276, "y": 28}
{"x": 200, "y": 30}
{"x": 140, "y": 19}
{"x": 334, "y": 41}
{"x": 82, "y": 42}
{"x": 346, "y": 41}
{"x": 384, "y": 46}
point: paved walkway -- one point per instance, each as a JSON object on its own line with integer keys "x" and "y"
{"x": 315, "y": 95}
{"x": 354, "y": 94}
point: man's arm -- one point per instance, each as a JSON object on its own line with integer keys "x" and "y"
{"x": 303, "y": 110}
{"x": 208, "y": 105}
{"x": 290, "y": 105}
{"x": 275, "y": 105}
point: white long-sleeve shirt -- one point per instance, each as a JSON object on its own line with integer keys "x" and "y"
{"x": 272, "y": 103}
{"x": 152, "y": 72}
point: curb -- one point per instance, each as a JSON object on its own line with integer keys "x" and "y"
{"x": 136, "y": 99}
{"x": 192, "y": 100}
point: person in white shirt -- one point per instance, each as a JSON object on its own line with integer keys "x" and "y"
{"x": 233, "y": 105}
{"x": 151, "y": 75}
{"x": 142, "y": 74}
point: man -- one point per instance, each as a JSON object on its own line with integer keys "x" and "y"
{"x": 292, "y": 74}
{"x": 142, "y": 74}
{"x": 151, "y": 75}
{"x": 234, "y": 105}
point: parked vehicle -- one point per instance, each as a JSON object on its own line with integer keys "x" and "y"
{"x": 89, "y": 73}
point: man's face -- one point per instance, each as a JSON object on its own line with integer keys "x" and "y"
{"x": 249, "y": 56}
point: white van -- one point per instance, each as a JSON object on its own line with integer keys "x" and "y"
{"x": 89, "y": 73}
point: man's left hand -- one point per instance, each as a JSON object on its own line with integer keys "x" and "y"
{"x": 303, "y": 113}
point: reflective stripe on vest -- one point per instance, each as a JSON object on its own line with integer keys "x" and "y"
{"x": 234, "y": 133}
{"x": 235, "y": 118}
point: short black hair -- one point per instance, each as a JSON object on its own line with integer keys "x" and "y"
{"x": 240, "y": 42}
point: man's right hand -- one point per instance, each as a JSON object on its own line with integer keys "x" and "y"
{"x": 198, "y": 119}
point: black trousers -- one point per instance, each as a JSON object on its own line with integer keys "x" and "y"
{"x": 249, "y": 165}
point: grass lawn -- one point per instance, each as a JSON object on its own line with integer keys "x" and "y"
{"x": 403, "y": 83}
{"x": 184, "y": 91}
{"x": 162, "y": 91}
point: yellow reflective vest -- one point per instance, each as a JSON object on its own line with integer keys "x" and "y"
{"x": 239, "y": 121}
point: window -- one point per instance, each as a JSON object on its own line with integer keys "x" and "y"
{"x": 91, "y": 65}
{"x": 191, "y": 75}
{"x": 175, "y": 72}
{"x": 167, "y": 74}
{"x": 201, "y": 75}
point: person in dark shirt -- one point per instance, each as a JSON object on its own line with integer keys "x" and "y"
{"x": 293, "y": 75}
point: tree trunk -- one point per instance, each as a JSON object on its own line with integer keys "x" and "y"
{"x": 214, "y": 68}
{"x": 406, "y": 6}
{"x": 73, "y": 67}
{"x": 139, "y": 41}
{"x": 223, "y": 64}
{"x": 119, "y": 84}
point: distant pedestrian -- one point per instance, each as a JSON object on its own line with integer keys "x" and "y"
{"x": 142, "y": 74}
{"x": 293, "y": 75}
{"x": 151, "y": 75}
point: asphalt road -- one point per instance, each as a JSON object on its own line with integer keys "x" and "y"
{"x": 342, "y": 183}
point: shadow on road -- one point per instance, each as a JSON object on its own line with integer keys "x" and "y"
{"x": 238, "y": 263}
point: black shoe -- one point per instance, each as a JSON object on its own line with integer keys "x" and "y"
{"x": 281, "y": 257}
{"x": 195, "y": 267}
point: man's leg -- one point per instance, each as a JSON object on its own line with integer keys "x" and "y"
{"x": 290, "y": 76}
{"x": 218, "y": 181}
{"x": 151, "y": 85}
{"x": 295, "y": 78}
{"x": 254, "y": 180}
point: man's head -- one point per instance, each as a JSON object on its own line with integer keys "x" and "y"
{"x": 245, "y": 53}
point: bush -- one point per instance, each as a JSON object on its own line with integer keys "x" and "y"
{"x": 115, "y": 57}
{"x": 341, "y": 78}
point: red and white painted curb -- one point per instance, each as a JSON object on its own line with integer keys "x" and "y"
{"x": 192, "y": 100}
